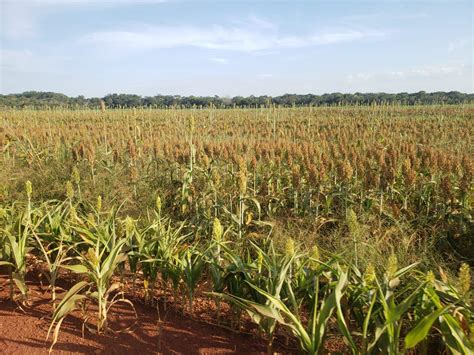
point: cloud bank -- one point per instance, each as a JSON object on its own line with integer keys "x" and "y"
{"x": 245, "y": 38}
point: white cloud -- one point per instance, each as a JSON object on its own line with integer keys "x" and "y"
{"x": 359, "y": 77}
{"x": 457, "y": 44}
{"x": 385, "y": 16}
{"x": 260, "y": 22}
{"x": 436, "y": 70}
{"x": 219, "y": 60}
{"x": 264, "y": 76}
{"x": 265, "y": 53}
{"x": 442, "y": 77}
{"x": 427, "y": 72}
{"x": 249, "y": 37}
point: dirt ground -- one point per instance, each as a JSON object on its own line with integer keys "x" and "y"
{"x": 23, "y": 331}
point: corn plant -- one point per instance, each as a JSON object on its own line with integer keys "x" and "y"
{"x": 99, "y": 264}
{"x": 215, "y": 261}
{"x": 17, "y": 236}
{"x": 135, "y": 240}
{"x": 159, "y": 253}
{"x": 5, "y": 250}
{"x": 271, "y": 280}
{"x": 236, "y": 271}
{"x": 310, "y": 336}
{"x": 192, "y": 264}
{"x": 54, "y": 248}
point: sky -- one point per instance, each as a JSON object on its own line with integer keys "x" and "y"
{"x": 230, "y": 48}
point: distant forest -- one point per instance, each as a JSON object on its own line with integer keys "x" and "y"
{"x": 36, "y": 99}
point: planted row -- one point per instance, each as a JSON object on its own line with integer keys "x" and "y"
{"x": 284, "y": 290}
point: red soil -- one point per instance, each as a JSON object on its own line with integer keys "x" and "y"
{"x": 23, "y": 331}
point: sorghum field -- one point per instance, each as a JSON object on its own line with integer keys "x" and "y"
{"x": 329, "y": 229}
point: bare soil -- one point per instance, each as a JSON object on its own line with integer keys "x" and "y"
{"x": 23, "y": 330}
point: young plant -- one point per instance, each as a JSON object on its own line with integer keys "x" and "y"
{"x": 310, "y": 335}
{"x": 99, "y": 265}
{"x": 192, "y": 264}
{"x": 159, "y": 253}
{"x": 273, "y": 273}
{"x": 54, "y": 244}
{"x": 17, "y": 236}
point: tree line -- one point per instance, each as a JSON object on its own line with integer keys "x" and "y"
{"x": 38, "y": 99}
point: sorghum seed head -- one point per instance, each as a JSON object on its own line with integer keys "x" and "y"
{"x": 430, "y": 277}
{"x": 28, "y": 189}
{"x": 99, "y": 203}
{"x": 69, "y": 190}
{"x": 369, "y": 274}
{"x": 352, "y": 223}
{"x": 464, "y": 278}
{"x": 314, "y": 255}
{"x": 129, "y": 225}
{"x": 242, "y": 176}
{"x": 217, "y": 230}
{"x": 75, "y": 176}
{"x": 392, "y": 266}
{"x": 72, "y": 213}
{"x": 158, "y": 204}
{"x": 92, "y": 257}
{"x": 290, "y": 247}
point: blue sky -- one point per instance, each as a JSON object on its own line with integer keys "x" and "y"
{"x": 149, "y": 47}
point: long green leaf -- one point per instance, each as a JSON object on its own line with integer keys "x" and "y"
{"x": 420, "y": 331}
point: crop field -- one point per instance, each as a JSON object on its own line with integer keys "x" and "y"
{"x": 343, "y": 229}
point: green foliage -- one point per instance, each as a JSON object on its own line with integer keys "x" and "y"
{"x": 50, "y": 99}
